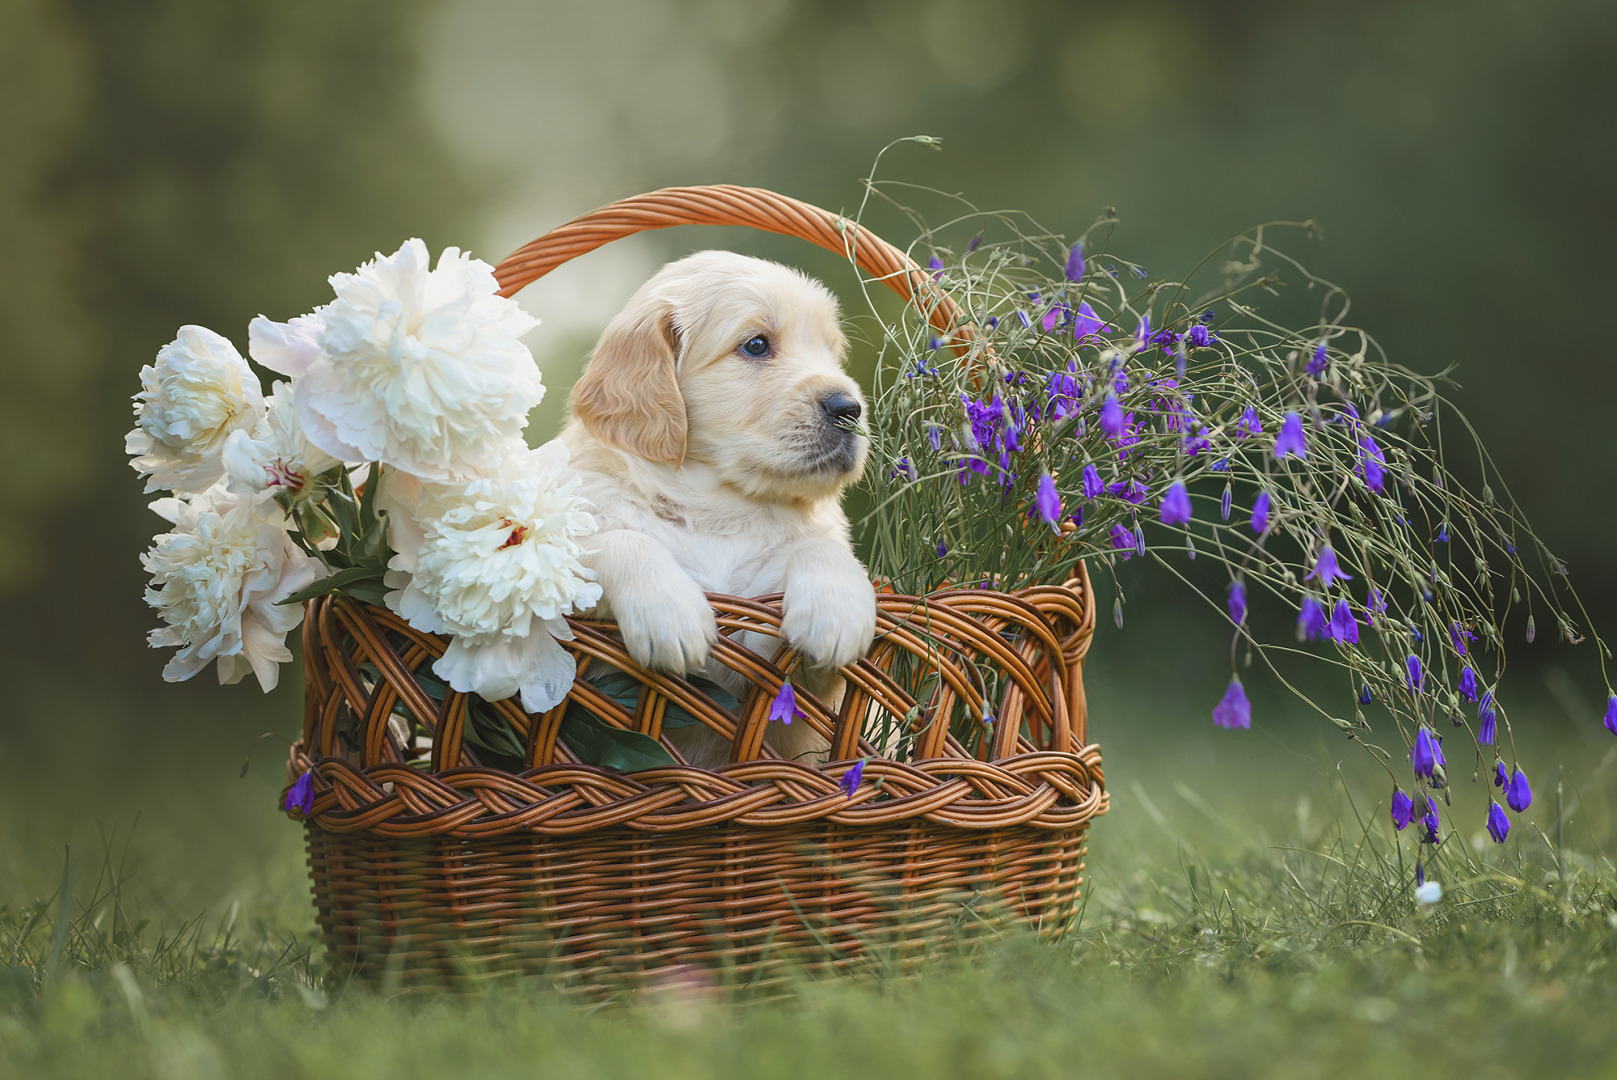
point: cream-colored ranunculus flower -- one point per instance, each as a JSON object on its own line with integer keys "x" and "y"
{"x": 216, "y": 579}
{"x": 276, "y": 456}
{"x": 494, "y": 563}
{"x": 198, "y": 394}
{"x": 415, "y": 367}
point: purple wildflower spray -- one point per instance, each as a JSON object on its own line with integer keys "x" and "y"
{"x": 1415, "y": 675}
{"x": 1611, "y": 713}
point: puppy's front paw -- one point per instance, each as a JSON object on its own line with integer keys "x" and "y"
{"x": 831, "y": 617}
{"x": 666, "y": 624}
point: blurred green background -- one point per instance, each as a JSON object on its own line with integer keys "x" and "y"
{"x": 176, "y": 161}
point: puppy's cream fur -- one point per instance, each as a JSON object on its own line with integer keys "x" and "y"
{"x": 714, "y": 471}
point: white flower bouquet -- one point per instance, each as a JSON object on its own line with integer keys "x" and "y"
{"x": 389, "y": 466}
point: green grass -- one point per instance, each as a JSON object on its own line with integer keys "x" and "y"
{"x": 1250, "y": 927}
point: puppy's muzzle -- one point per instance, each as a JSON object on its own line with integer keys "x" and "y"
{"x": 840, "y": 409}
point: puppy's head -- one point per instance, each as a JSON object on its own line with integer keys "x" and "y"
{"x": 734, "y": 362}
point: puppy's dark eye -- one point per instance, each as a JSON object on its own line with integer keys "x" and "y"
{"x": 757, "y": 345}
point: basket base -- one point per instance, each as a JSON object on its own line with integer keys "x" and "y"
{"x": 615, "y": 909}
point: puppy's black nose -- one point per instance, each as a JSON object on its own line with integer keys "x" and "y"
{"x": 841, "y": 409}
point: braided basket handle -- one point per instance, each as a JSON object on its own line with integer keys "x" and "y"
{"x": 727, "y": 204}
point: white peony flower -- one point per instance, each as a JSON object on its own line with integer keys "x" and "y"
{"x": 276, "y": 456}
{"x": 494, "y": 564}
{"x": 198, "y": 394}
{"x": 216, "y": 580}
{"x": 414, "y": 367}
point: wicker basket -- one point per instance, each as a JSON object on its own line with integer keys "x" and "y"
{"x": 444, "y": 869}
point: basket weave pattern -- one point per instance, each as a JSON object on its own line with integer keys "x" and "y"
{"x": 434, "y": 868}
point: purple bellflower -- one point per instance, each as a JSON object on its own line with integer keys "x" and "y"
{"x": 1498, "y": 823}
{"x": 1312, "y": 622}
{"x": 1316, "y": 364}
{"x": 1429, "y": 822}
{"x": 1198, "y": 337}
{"x": 1372, "y": 465}
{"x": 1415, "y": 677}
{"x": 1403, "y": 809}
{"x": 1260, "y": 513}
{"x": 784, "y": 708}
{"x": 1142, "y": 332}
{"x": 1291, "y": 440}
{"x": 1423, "y": 755}
{"x": 1459, "y": 635}
{"x": 1123, "y": 540}
{"x": 1130, "y": 491}
{"x": 300, "y": 796}
{"x": 1111, "y": 417}
{"x": 1075, "y": 263}
{"x": 1175, "y": 508}
{"x": 1237, "y": 603}
{"x": 1233, "y": 709}
{"x": 1027, "y": 323}
{"x": 1048, "y": 501}
{"x": 1365, "y": 697}
{"x": 1376, "y": 605}
{"x": 1326, "y": 569}
{"x": 1224, "y": 504}
{"x": 1093, "y": 488}
{"x": 1344, "y": 627}
{"x": 1468, "y": 684}
{"x": 943, "y": 549}
{"x": 1501, "y": 775}
{"x": 1518, "y": 796}
{"x": 1611, "y": 713}
{"x": 1487, "y": 720}
{"x": 849, "y": 783}
{"x": 1249, "y": 424}
{"x": 1051, "y": 319}
{"x": 1087, "y": 323}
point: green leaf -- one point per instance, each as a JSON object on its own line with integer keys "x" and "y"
{"x": 625, "y": 689}
{"x": 487, "y": 730}
{"x": 599, "y": 743}
{"x": 360, "y": 582}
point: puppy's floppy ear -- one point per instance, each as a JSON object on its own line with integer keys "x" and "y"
{"x": 629, "y": 395}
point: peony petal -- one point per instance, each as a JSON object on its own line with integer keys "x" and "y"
{"x": 317, "y": 429}
{"x": 287, "y": 348}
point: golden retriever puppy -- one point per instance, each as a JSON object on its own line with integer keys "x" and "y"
{"x": 714, "y": 431}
